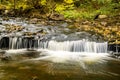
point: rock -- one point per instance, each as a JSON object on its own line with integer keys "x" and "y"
{"x": 119, "y": 57}
{"x": 30, "y": 34}
{"x": 1, "y": 54}
{"x": 103, "y": 23}
{"x": 31, "y": 53}
{"x": 41, "y": 31}
{"x": 102, "y": 16}
{"x": 86, "y": 22}
{"x": 5, "y": 18}
{"x": 33, "y": 20}
{"x": 13, "y": 28}
{"x": 5, "y": 58}
{"x": 6, "y": 12}
{"x": 116, "y": 55}
{"x": 69, "y": 20}
{"x": 56, "y": 17}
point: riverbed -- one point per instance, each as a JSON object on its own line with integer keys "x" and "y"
{"x": 34, "y": 49}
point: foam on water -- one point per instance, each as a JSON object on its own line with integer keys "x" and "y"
{"x": 65, "y": 56}
{"x": 15, "y": 51}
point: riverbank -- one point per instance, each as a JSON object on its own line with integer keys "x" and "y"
{"x": 106, "y": 27}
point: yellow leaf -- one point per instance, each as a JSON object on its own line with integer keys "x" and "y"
{"x": 43, "y": 2}
{"x": 68, "y": 1}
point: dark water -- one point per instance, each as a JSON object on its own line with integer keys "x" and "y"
{"x": 22, "y": 67}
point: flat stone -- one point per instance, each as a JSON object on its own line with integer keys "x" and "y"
{"x": 102, "y": 16}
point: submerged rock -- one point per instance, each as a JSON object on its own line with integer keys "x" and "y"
{"x": 31, "y": 53}
{"x": 6, "y": 58}
{"x": 24, "y": 68}
{"x": 2, "y": 52}
{"x": 35, "y": 78}
{"x": 116, "y": 55}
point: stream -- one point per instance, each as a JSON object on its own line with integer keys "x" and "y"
{"x": 34, "y": 49}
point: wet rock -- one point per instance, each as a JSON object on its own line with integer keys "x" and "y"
{"x": 6, "y": 58}
{"x": 116, "y": 55}
{"x": 119, "y": 57}
{"x": 42, "y": 22}
{"x": 41, "y": 31}
{"x": 5, "y": 18}
{"x": 2, "y": 52}
{"x": 29, "y": 34}
{"x": 31, "y": 53}
{"x": 6, "y": 12}
{"x": 104, "y": 23}
{"x": 69, "y": 20}
{"x": 56, "y": 16}
{"x": 13, "y": 28}
{"x": 86, "y": 22}
{"x": 33, "y": 21}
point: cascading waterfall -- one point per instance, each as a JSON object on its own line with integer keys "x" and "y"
{"x": 19, "y": 43}
{"x": 75, "y": 46}
{"x": 71, "y": 46}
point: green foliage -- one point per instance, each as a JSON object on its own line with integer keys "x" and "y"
{"x": 69, "y": 8}
{"x": 59, "y": 8}
{"x": 62, "y": 7}
{"x": 66, "y": 5}
{"x": 68, "y": 1}
{"x": 43, "y": 2}
{"x": 74, "y": 14}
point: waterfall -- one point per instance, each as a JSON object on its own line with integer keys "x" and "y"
{"x": 71, "y": 46}
{"x": 75, "y": 46}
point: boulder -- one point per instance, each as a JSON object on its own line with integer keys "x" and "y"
{"x": 103, "y": 23}
{"x": 102, "y": 16}
{"x": 33, "y": 20}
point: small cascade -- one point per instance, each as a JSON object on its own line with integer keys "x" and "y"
{"x": 101, "y": 47}
{"x": 71, "y": 46}
{"x": 16, "y": 43}
{"x": 75, "y": 46}
{"x": 13, "y": 43}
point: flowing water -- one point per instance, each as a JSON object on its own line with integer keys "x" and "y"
{"x": 56, "y": 56}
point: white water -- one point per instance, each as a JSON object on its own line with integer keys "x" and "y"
{"x": 64, "y": 56}
{"x": 71, "y": 46}
{"x": 74, "y": 46}
{"x": 81, "y": 52}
